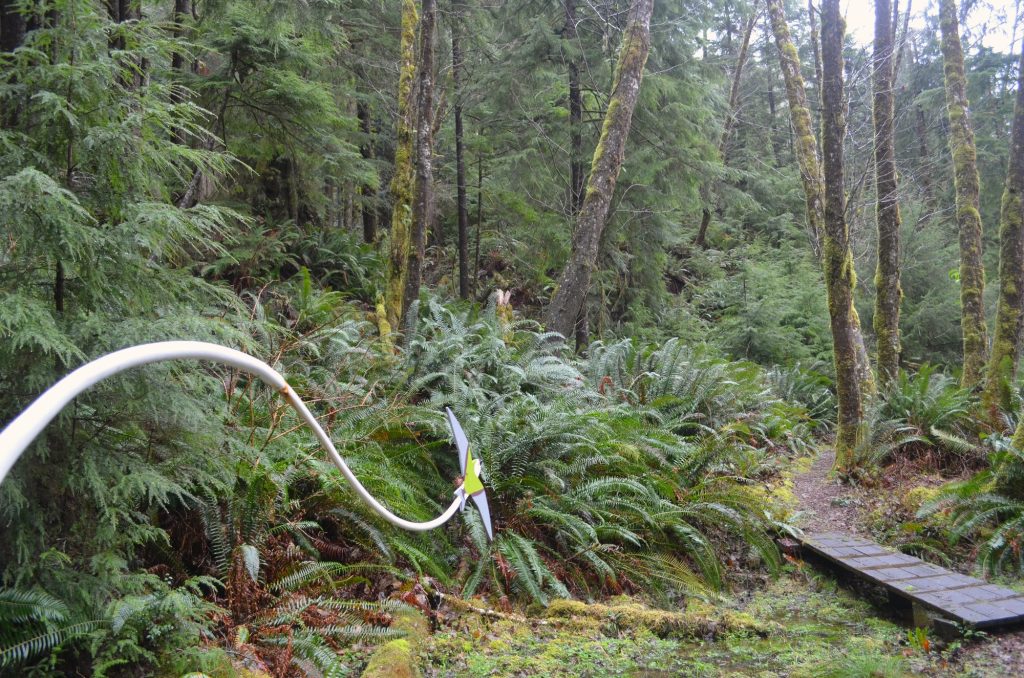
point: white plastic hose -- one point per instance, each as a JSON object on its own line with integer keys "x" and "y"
{"x": 23, "y": 430}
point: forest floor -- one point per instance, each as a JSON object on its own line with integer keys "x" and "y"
{"x": 827, "y": 505}
{"x": 802, "y": 623}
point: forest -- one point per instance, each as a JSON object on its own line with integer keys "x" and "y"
{"x": 707, "y": 283}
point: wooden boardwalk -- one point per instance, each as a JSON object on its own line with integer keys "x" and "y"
{"x": 955, "y": 596}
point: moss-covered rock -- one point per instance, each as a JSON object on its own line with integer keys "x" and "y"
{"x": 395, "y": 659}
{"x": 398, "y": 658}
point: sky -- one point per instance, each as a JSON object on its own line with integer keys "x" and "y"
{"x": 991, "y": 20}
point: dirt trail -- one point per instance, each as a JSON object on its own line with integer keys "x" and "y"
{"x": 824, "y": 504}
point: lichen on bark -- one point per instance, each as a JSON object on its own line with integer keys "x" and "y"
{"x": 837, "y": 257}
{"x": 1002, "y": 366}
{"x": 967, "y": 186}
{"x": 806, "y": 150}
{"x": 888, "y": 292}
{"x": 574, "y": 283}
{"x": 400, "y": 238}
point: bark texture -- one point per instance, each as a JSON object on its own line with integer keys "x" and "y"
{"x": 837, "y": 259}
{"x": 966, "y": 183}
{"x": 12, "y": 34}
{"x": 574, "y": 283}
{"x": 805, "y": 146}
{"x": 734, "y": 91}
{"x": 888, "y": 293}
{"x": 12, "y": 26}
{"x": 369, "y": 204}
{"x": 576, "y": 176}
{"x": 402, "y": 181}
{"x": 462, "y": 205}
{"x": 1002, "y": 367}
{"x": 423, "y": 203}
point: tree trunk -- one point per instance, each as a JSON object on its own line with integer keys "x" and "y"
{"x": 815, "y": 54}
{"x": 837, "y": 258}
{"x": 369, "y": 204}
{"x": 182, "y": 10}
{"x": 888, "y": 293}
{"x": 706, "y": 193}
{"x": 12, "y": 26}
{"x": 423, "y": 205}
{"x": 1002, "y": 367}
{"x": 800, "y": 114}
{"x": 460, "y": 158}
{"x": 575, "y": 115}
{"x": 12, "y": 35}
{"x": 734, "y": 91}
{"x": 921, "y": 129}
{"x": 396, "y": 270}
{"x": 965, "y": 181}
{"x": 806, "y": 149}
{"x": 574, "y": 283}
{"x": 479, "y": 219}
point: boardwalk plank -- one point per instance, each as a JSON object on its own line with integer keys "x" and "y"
{"x": 965, "y": 599}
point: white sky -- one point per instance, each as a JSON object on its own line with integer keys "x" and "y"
{"x": 991, "y": 20}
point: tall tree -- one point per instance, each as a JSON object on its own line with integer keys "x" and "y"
{"x": 571, "y": 36}
{"x": 423, "y": 201}
{"x": 574, "y": 282}
{"x": 805, "y": 146}
{"x": 730, "y": 120}
{"x": 391, "y": 308}
{"x": 462, "y": 204}
{"x": 12, "y": 25}
{"x": 366, "y": 150}
{"x": 423, "y": 198}
{"x": 968, "y": 190}
{"x": 1002, "y": 366}
{"x": 837, "y": 258}
{"x": 12, "y": 35}
{"x": 888, "y": 293}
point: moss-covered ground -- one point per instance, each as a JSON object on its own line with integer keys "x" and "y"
{"x": 802, "y": 624}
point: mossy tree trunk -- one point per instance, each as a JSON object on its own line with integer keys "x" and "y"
{"x": 1002, "y": 366}
{"x": 837, "y": 258}
{"x": 967, "y": 185}
{"x": 888, "y": 293}
{"x": 400, "y": 241}
{"x": 462, "y": 202}
{"x": 574, "y": 283}
{"x": 423, "y": 188}
{"x": 805, "y": 146}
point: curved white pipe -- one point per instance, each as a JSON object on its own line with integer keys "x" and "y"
{"x": 23, "y": 430}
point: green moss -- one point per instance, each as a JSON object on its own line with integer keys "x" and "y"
{"x": 394, "y": 659}
{"x": 402, "y": 183}
{"x": 627, "y": 615}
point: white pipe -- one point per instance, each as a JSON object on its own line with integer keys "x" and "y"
{"x": 23, "y": 430}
